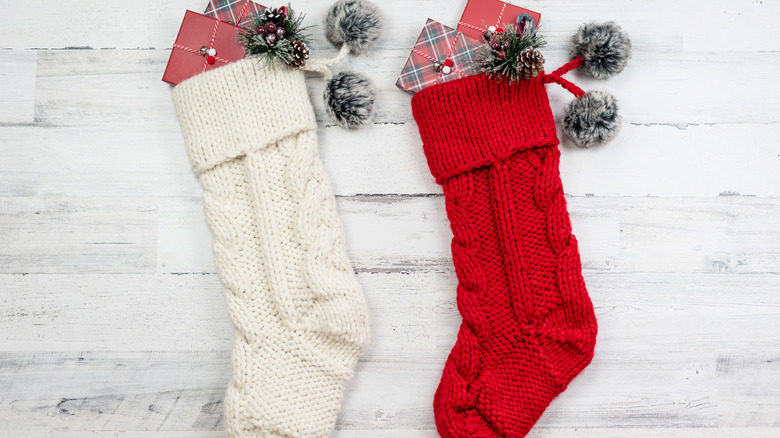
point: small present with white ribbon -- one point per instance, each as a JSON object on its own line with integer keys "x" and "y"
{"x": 483, "y": 15}
{"x": 203, "y": 43}
{"x": 441, "y": 54}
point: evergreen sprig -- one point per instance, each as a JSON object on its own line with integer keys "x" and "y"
{"x": 257, "y": 44}
{"x": 498, "y": 56}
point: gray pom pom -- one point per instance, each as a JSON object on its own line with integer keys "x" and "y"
{"x": 355, "y": 23}
{"x": 592, "y": 119}
{"x": 605, "y": 48}
{"x": 350, "y": 99}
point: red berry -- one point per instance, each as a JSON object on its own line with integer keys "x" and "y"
{"x": 495, "y": 45}
{"x": 448, "y": 62}
{"x": 211, "y": 59}
{"x": 501, "y": 54}
{"x": 270, "y": 28}
{"x": 271, "y": 38}
{"x": 261, "y": 30}
{"x": 280, "y": 32}
{"x": 500, "y": 29}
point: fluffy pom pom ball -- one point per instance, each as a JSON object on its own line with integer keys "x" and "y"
{"x": 592, "y": 119}
{"x": 356, "y": 23}
{"x": 605, "y": 48}
{"x": 349, "y": 98}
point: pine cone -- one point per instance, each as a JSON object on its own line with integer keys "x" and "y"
{"x": 300, "y": 53}
{"x": 274, "y": 15}
{"x": 530, "y": 63}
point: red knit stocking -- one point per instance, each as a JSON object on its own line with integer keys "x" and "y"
{"x": 528, "y": 323}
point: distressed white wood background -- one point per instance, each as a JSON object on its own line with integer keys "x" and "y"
{"x": 112, "y": 320}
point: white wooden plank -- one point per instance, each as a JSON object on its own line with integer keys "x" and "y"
{"x": 116, "y": 161}
{"x": 673, "y": 315}
{"x": 114, "y": 391}
{"x": 52, "y": 235}
{"x": 95, "y": 87}
{"x": 724, "y": 237}
{"x": 109, "y": 161}
{"x": 673, "y": 161}
{"x": 706, "y": 19}
{"x": 126, "y": 161}
{"x": 155, "y": 24}
{"x": 116, "y": 235}
{"x": 17, "y": 95}
{"x": 173, "y": 391}
{"x": 93, "y": 23}
{"x": 67, "y": 312}
{"x": 695, "y": 25}
{"x": 411, "y": 312}
{"x": 725, "y": 234}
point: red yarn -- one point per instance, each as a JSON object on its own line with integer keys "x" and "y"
{"x": 528, "y": 324}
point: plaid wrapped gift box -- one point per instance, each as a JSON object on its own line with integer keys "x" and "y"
{"x": 232, "y": 11}
{"x": 480, "y": 14}
{"x": 441, "y": 54}
{"x": 203, "y": 43}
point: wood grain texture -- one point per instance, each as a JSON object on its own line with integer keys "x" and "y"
{"x": 18, "y": 79}
{"x": 112, "y": 318}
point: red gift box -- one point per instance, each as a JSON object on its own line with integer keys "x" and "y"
{"x": 198, "y": 35}
{"x": 481, "y": 14}
{"x": 233, "y": 11}
{"x": 441, "y": 54}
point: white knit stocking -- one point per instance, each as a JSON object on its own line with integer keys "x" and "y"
{"x": 298, "y": 310}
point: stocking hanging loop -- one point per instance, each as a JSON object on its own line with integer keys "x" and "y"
{"x": 557, "y": 77}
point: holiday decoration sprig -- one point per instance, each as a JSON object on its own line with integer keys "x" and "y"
{"x": 512, "y": 53}
{"x": 276, "y": 34}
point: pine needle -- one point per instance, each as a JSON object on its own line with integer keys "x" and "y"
{"x": 511, "y": 44}
{"x": 257, "y": 45}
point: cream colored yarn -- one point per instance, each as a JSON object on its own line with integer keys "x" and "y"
{"x": 299, "y": 313}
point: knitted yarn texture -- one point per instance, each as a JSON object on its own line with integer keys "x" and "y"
{"x": 298, "y": 310}
{"x": 528, "y": 324}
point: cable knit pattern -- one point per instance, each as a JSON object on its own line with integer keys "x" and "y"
{"x": 299, "y": 312}
{"x": 528, "y": 324}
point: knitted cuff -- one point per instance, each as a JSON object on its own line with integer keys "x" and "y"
{"x": 230, "y": 111}
{"x": 474, "y": 121}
